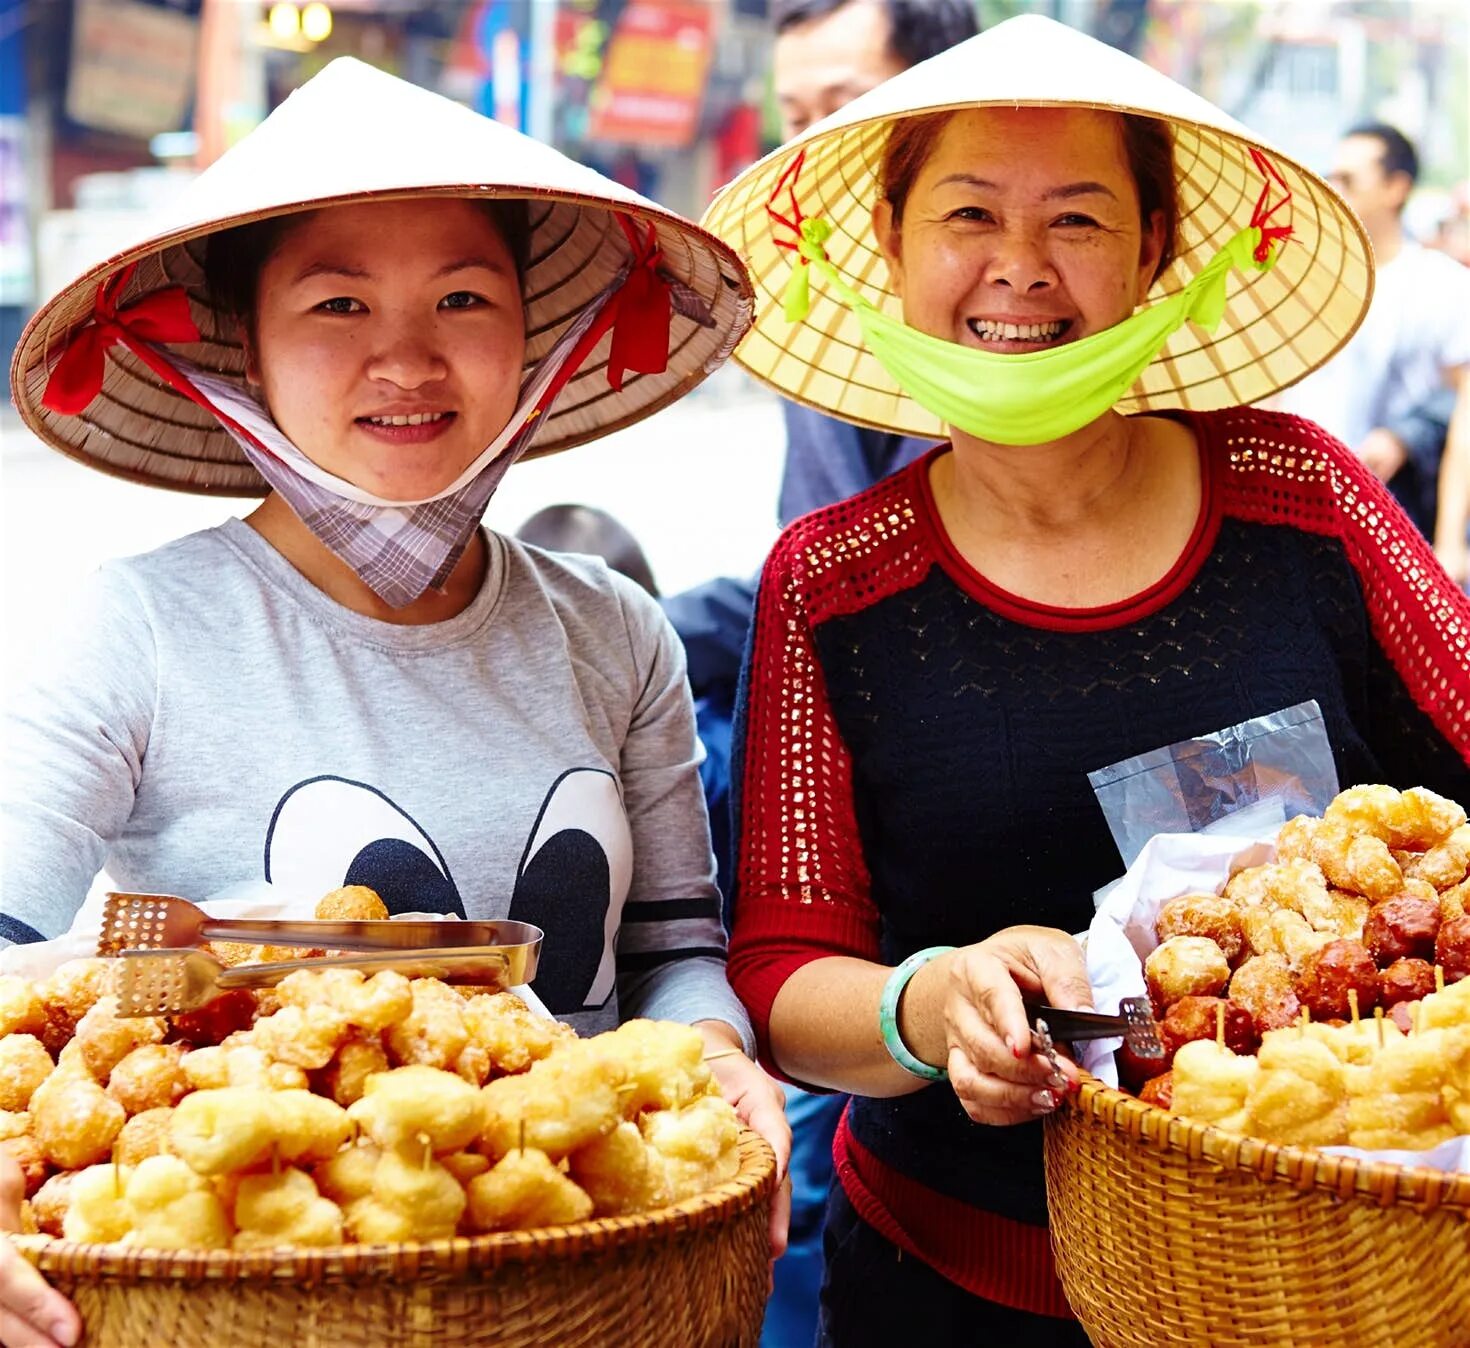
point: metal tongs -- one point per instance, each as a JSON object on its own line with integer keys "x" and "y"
{"x": 1134, "y": 1023}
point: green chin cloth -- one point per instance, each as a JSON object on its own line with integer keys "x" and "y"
{"x": 1038, "y": 396}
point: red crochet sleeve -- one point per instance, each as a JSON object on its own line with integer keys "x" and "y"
{"x": 802, "y": 881}
{"x": 1284, "y": 470}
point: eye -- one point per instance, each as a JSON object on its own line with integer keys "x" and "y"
{"x": 461, "y": 299}
{"x": 341, "y": 304}
{"x": 978, "y": 213}
{"x": 1075, "y": 219}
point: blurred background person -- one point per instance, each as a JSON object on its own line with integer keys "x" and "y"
{"x": 1395, "y": 392}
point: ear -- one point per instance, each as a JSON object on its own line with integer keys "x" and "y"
{"x": 1150, "y": 250}
{"x": 886, "y": 231}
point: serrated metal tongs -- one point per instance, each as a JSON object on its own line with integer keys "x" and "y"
{"x": 1134, "y": 1023}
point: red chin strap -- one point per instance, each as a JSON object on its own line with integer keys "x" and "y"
{"x": 160, "y": 317}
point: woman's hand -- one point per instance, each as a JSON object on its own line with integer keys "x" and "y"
{"x": 761, "y": 1104}
{"x": 993, "y": 1069}
{"x": 32, "y": 1314}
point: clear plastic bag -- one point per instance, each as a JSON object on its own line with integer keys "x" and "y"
{"x": 1247, "y": 780}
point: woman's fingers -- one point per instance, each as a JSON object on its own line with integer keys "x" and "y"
{"x": 32, "y": 1314}
{"x": 991, "y": 1099}
{"x": 988, "y": 1053}
{"x": 780, "y": 1218}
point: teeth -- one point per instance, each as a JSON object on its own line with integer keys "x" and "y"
{"x": 417, "y": 419}
{"x": 1012, "y": 332}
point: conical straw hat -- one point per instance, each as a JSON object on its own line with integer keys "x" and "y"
{"x": 1278, "y": 324}
{"x": 349, "y": 135}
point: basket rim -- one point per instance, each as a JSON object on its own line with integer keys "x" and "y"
{"x": 754, "y": 1183}
{"x": 1304, "y": 1168}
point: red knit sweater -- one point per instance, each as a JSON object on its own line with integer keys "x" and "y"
{"x": 912, "y": 751}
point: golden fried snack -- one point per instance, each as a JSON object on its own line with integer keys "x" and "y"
{"x": 308, "y": 1128}
{"x": 621, "y": 1173}
{"x": 511, "y": 1033}
{"x": 344, "y": 1077}
{"x": 284, "y": 1209}
{"x": 1158, "y": 1091}
{"x": 24, "y": 1065}
{"x": 14, "y": 1123}
{"x": 352, "y": 903}
{"x": 1452, "y": 901}
{"x": 370, "y": 1004}
{"x": 1296, "y": 836}
{"x": 1348, "y": 913}
{"x": 1452, "y": 949}
{"x": 663, "y": 1063}
{"x": 699, "y": 1144}
{"x": 1328, "y": 976}
{"x": 1356, "y": 861}
{"x": 1354, "y": 1045}
{"x": 216, "y": 1021}
{"x": 1265, "y": 987}
{"x": 1213, "y": 916}
{"x": 1444, "y": 865}
{"x": 170, "y": 1207}
{"x": 26, "y": 1152}
{"x": 1415, "y": 820}
{"x": 465, "y": 1165}
{"x": 434, "y": 1033}
{"x": 52, "y": 1200}
{"x": 563, "y": 1102}
{"x": 1369, "y": 809}
{"x": 525, "y": 1188}
{"x": 1299, "y": 1096}
{"x": 239, "y": 1063}
{"x": 420, "y": 1107}
{"x": 348, "y": 1176}
{"x": 217, "y": 1131}
{"x": 410, "y": 1200}
{"x": 1283, "y": 932}
{"x": 1397, "y": 1100}
{"x": 1211, "y": 1084}
{"x": 76, "y": 986}
{"x": 73, "y": 1120}
{"x": 142, "y": 1136}
{"x": 1185, "y": 966}
{"x": 105, "y": 1038}
{"x": 21, "y": 1010}
{"x": 97, "y": 1207}
{"x": 1193, "y": 1018}
{"x": 151, "y": 1077}
{"x": 304, "y": 1036}
{"x": 1448, "y": 1009}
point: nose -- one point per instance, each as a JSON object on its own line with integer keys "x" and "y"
{"x": 1020, "y": 262}
{"x": 406, "y": 354}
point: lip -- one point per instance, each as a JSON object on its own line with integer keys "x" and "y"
{"x": 421, "y": 434}
{"x": 1018, "y": 345}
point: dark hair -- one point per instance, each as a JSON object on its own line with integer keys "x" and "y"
{"x": 1147, "y": 142}
{"x": 917, "y": 29}
{"x": 233, "y": 258}
{"x": 579, "y": 528}
{"x": 1399, "y": 155}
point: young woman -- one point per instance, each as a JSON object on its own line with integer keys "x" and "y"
{"x": 356, "y": 683}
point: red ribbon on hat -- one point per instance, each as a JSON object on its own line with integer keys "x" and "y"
{"x": 162, "y": 316}
{"x": 643, "y": 311}
{"x": 793, "y": 222}
{"x": 1261, "y": 216}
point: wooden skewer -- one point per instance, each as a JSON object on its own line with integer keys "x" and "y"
{"x": 523, "y": 1135}
{"x": 1439, "y": 977}
{"x": 429, "y": 1149}
{"x": 1306, "y": 1019}
{"x": 1378, "y": 1016}
{"x": 1220, "y": 1024}
{"x": 1353, "y": 1005}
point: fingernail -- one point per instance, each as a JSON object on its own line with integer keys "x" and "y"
{"x": 1057, "y": 1081}
{"x": 1045, "y": 1101}
{"x": 64, "y": 1333}
{"x": 1015, "y": 1048}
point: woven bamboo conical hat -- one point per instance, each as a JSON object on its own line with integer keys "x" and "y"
{"x": 1278, "y": 324}
{"x": 355, "y": 134}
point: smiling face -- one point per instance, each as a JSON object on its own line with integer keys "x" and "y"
{"x": 1021, "y": 231}
{"x": 388, "y": 340}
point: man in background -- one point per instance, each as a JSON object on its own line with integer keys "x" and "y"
{"x": 827, "y": 52}
{"x": 1397, "y": 390}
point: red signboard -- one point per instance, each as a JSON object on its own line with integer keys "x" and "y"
{"x": 652, "y": 83}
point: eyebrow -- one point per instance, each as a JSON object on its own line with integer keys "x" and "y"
{"x": 323, "y": 268}
{"x": 1064, "y": 193}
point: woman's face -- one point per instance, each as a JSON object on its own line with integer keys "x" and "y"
{"x": 1021, "y": 231}
{"x": 389, "y": 339}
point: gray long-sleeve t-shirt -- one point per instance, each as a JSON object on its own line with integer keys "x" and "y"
{"x": 207, "y": 717}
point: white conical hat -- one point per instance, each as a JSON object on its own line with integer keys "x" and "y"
{"x": 1278, "y": 324}
{"x": 355, "y": 134}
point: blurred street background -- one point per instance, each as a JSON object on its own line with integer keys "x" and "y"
{"x": 108, "y": 106}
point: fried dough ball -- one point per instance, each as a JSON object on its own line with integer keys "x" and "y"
{"x": 1443, "y": 865}
{"x": 14, "y": 1123}
{"x": 1397, "y": 1101}
{"x": 371, "y": 1004}
{"x": 621, "y": 1173}
{"x": 1331, "y": 973}
{"x": 107, "y": 1038}
{"x": 1299, "y": 1095}
{"x": 1448, "y": 1009}
{"x": 1415, "y": 820}
{"x": 73, "y": 1121}
{"x": 1347, "y": 914}
{"x": 523, "y": 1189}
{"x": 1452, "y": 949}
{"x": 1452, "y": 901}
{"x": 24, "y": 1065}
{"x": 1185, "y": 966}
{"x": 151, "y": 1077}
{"x": 171, "y": 1208}
{"x": 96, "y": 1207}
{"x": 304, "y": 1036}
{"x": 308, "y": 1128}
{"x": 1356, "y": 861}
{"x": 699, "y": 1144}
{"x": 221, "y": 1130}
{"x": 663, "y": 1063}
{"x": 410, "y": 1200}
{"x": 76, "y": 986}
{"x": 1403, "y": 927}
{"x": 1355, "y": 1045}
{"x": 1211, "y": 1084}
{"x": 239, "y": 1064}
{"x": 433, "y": 1034}
{"x": 1213, "y": 916}
{"x": 344, "y": 1077}
{"x": 348, "y": 1176}
{"x": 1193, "y": 1018}
{"x": 21, "y": 1010}
{"x": 403, "y": 1107}
{"x": 214, "y": 1023}
{"x": 511, "y": 1033}
{"x": 51, "y": 1202}
{"x": 1294, "y": 840}
{"x": 142, "y": 1136}
{"x": 352, "y": 903}
{"x": 1405, "y": 980}
{"x": 1283, "y": 932}
{"x": 26, "y": 1152}
{"x": 1158, "y": 1091}
{"x": 465, "y": 1165}
{"x": 563, "y": 1102}
{"x": 284, "y": 1209}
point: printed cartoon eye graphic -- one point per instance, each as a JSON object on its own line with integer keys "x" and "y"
{"x": 572, "y": 883}
{"x": 329, "y": 831}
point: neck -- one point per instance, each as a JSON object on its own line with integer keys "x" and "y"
{"x": 279, "y": 525}
{"x": 1388, "y": 237}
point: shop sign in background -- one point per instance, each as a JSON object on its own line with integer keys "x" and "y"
{"x": 652, "y": 83}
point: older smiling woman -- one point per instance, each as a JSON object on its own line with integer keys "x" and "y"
{"x": 1094, "y": 268}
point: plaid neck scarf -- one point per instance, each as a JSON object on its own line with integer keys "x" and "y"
{"x": 399, "y": 549}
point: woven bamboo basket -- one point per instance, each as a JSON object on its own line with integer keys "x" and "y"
{"x": 1173, "y": 1232}
{"x": 692, "y": 1275}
